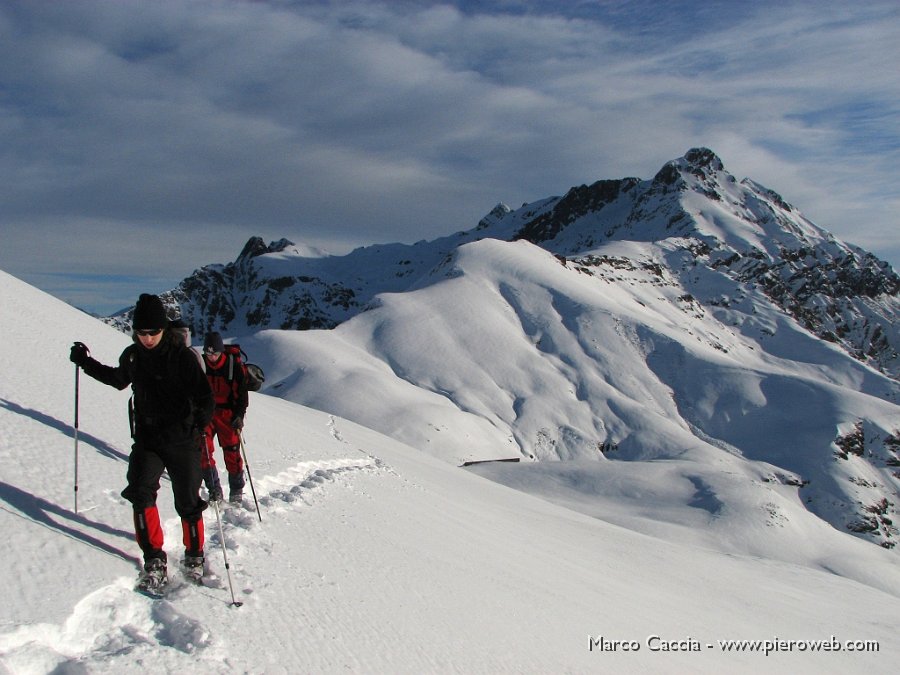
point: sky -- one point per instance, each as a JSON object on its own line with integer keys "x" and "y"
{"x": 142, "y": 140}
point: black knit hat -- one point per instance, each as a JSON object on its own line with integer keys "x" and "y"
{"x": 149, "y": 313}
{"x": 213, "y": 342}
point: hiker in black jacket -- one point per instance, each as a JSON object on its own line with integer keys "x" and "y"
{"x": 172, "y": 405}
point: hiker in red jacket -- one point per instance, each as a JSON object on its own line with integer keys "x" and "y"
{"x": 226, "y": 377}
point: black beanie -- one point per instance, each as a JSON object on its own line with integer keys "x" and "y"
{"x": 149, "y": 313}
{"x": 214, "y": 341}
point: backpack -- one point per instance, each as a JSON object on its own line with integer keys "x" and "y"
{"x": 253, "y": 374}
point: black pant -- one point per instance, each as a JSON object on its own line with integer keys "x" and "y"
{"x": 168, "y": 450}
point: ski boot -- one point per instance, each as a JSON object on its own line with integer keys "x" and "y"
{"x": 213, "y": 486}
{"x": 236, "y": 487}
{"x": 193, "y": 568}
{"x": 153, "y": 579}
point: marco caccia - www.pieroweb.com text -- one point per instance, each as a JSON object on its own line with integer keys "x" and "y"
{"x": 656, "y": 643}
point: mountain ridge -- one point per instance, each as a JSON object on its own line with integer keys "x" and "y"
{"x": 839, "y": 292}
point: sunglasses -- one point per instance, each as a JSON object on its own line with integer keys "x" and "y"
{"x": 148, "y": 332}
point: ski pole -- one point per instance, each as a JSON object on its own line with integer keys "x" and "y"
{"x": 234, "y": 602}
{"x": 77, "y": 370}
{"x": 249, "y": 476}
{"x": 83, "y": 347}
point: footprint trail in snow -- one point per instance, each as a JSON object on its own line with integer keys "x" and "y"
{"x": 114, "y": 623}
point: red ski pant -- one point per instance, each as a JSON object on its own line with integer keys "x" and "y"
{"x": 149, "y": 534}
{"x": 229, "y": 441}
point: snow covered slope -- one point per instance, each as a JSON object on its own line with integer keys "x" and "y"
{"x": 372, "y": 556}
{"x": 516, "y": 354}
{"x": 686, "y": 316}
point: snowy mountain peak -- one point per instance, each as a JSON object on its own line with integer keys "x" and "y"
{"x": 697, "y": 166}
{"x": 497, "y": 213}
{"x": 255, "y": 246}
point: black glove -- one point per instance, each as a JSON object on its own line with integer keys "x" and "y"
{"x": 237, "y": 422}
{"x": 79, "y": 354}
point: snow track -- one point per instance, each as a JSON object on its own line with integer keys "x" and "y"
{"x": 295, "y": 483}
{"x": 115, "y": 629}
{"x": 111, "y": 625}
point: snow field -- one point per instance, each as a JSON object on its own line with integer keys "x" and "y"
{"x": 375, "y": 557}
